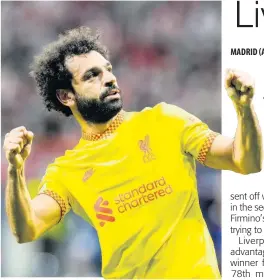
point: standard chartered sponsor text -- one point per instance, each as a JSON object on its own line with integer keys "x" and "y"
{"x": 142, "y": 195}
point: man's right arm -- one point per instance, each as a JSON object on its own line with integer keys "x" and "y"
{"x": 28, "y": 219}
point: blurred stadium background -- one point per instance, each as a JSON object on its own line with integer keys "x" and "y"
{"x": 161, "y": 51}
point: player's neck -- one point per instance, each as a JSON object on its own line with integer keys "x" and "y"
{"x": 92, "y": 128}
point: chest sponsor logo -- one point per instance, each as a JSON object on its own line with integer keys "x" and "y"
{"x": 144, "y": 146}
{"x": 103, "y": 213}
{"x": 144, "y": 194}
{"x": 132, "y": 199}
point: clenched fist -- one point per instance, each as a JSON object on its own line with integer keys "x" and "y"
{"x": 240, "y": 87}
{"x": 17, "y": 146}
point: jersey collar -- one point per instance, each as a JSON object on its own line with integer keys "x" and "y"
{"x": 110, "y": 130}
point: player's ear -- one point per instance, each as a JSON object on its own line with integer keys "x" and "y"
{"x": 66, "y": 97}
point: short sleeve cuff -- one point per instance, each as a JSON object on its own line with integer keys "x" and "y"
{"x": 64, "y": 206}
{"x": 206, "y": 146}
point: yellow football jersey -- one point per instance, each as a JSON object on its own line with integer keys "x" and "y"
{"x": 136, "y": 185}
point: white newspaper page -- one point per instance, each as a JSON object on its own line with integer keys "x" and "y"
{"x": 243, "y": 195}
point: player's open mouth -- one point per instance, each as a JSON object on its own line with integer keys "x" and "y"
{"x": 113, "y": 94}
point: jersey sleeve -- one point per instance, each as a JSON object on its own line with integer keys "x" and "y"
{"x": 197, "y": 140}
{"x": 196, "y": 137}
{"x": 52, "y": 186}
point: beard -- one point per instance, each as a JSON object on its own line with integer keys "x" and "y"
{"x": 98, "y": 111}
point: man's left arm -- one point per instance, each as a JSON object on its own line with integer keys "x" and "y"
{"x": 244, "y": 153}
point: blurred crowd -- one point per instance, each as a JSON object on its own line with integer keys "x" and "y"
{"x": 160, "y": 51}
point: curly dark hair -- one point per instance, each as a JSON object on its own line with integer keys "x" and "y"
{"x": 49, "y": 70}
